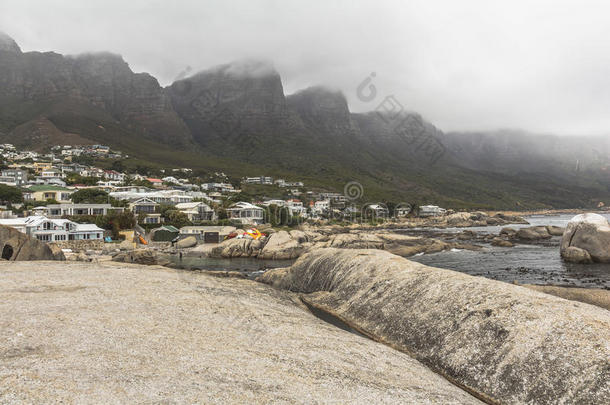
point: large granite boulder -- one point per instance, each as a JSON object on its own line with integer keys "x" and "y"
{"x": 589, "y": 232}
{"x": 533, "y": 233}
{"x": 188, "y": 242}
{"x": 283, "y": 245}
{"x": 242, "y": 247}
{"x": 505, "y": 343}
{"x": 15, "y": 245}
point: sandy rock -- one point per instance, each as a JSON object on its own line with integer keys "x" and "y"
{"x": 507, "y": 343}
{"x": 16, "y": 246}
{"x": 188, "y": 242}
{"x": 590, "y": 232}
{"x": 115, "y": 333}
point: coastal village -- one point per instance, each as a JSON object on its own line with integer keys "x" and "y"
{"x": 51, "y": 196}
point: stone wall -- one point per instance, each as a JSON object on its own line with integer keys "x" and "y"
{"x": 80, "y": 244}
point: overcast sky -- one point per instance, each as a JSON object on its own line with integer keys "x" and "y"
{"x": 542, "y": 66}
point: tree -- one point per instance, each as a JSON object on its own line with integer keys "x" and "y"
{"x": 90, "y": 196}
{"x": 10, "y": 195}
{"x": 177, "y": 219}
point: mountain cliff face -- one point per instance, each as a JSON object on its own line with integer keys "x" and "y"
{"x": 236, "y": 117}
{"x": 99, "y": 87}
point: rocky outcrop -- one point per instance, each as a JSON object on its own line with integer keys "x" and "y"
{"x": 15, "y": 245}
{"x": 235, "y": 247}
{"x": 283, "y": 245}
{"x": 505, "y": 343}
{"x": 129, "y": 334}
{"x": 139, "y": 256}
{"x": 588, "y": 232}
{"x": 533, "y": 233}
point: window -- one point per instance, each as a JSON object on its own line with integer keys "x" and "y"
{"x": 44, "y": 237}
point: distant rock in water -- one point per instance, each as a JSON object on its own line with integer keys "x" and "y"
{"x": 504, "y": 343}
{"x": 15, "y": 245}
{"x": 589, "y": 233}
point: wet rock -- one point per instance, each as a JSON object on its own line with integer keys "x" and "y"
{"x": 533, "y": 233}
{"x": 467, "y": 235}
{"x": 573, "y": 254}
{"x": 509, "y": 232}
{"x": 502, "y": 242}
{"x": 187, "y": 242}
{"x": 17, "y": 246}
{"x": 555, "y": 230}
{"x": 590, "y": 232}
{"x": 506, "y": 343}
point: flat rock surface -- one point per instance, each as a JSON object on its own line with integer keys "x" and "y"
{"x": 122, "y": 333}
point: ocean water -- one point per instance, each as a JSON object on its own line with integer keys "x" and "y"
{"x": 527, "y": 264}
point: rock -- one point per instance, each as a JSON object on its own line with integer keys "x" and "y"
{"x": 502, "y": 242}
{"x": 139, "y": 256}
{"x": 533, "y": 233}
{"x": 127, "y": 245}
{"x": 573, "y": 254}
{"x": 589, "y": 232}
{"x": 593, "y": 296}
{"x": 555, "y": 230}
{"x": 188, "y": 242}
{"x": 80, "y": 257}
{"x": 510, "y": 232}
{"x": 467, "y": 235}
{"x": 100, "y": 333}
{"x": 58, "y": 253}
{"x": 505, "y": 343}
{"x": 283, "y": 246}
{"x": 243, "y": 247}
{"x": 15, "y": 245}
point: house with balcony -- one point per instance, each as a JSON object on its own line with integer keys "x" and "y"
{"x": 47, "y": 192}
{"x": 196, "y": 211}
{"x": 246, "y": 213}
{"x": 62, "y": 210}
{"x": 54, "y": 230}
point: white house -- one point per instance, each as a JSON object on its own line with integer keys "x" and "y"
{"x": 321, "y": 206}
{"x": 59, "y": 210}
{"x": 196, "y": 211}
{"x": 295, "y": 206}
{"x": 54, "y": 230}
{"x": 431, "y": 211}
{"x": 246, "y": 213}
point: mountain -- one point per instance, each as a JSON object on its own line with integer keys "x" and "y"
{"x": 238, "y": 119}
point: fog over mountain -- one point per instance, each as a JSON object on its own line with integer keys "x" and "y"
{"x": 540, "y": 66}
